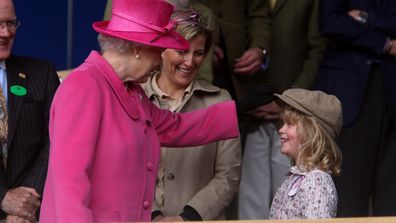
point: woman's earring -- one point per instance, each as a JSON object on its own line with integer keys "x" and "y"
{"x": 137, "y": 56}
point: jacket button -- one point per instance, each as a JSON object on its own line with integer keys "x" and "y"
{"x": 146, "y": 205}
{"x": 149, "y": 166}
{"x": 171, "y": 176}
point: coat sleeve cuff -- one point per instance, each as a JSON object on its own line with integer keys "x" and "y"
{"x": 190, "y": 214}
{"x": 156, "y": 213}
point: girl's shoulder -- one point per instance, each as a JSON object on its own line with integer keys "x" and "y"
{"x": 302, "y": 179}
{"x": 318, "y": 175}
{"x": 318, "y": 172}
{"x": 318, "y": 180}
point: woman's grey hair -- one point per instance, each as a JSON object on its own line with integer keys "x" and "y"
{"x": 113, "y": 43}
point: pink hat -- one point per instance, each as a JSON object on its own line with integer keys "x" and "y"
{"x": 143, "y": 21}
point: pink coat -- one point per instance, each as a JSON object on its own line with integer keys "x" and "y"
{"x": 105, "y": 145}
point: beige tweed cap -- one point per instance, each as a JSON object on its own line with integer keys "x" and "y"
{"x": 325, "y": 108}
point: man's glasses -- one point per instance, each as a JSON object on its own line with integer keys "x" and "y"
{"x": 11, "y": 25}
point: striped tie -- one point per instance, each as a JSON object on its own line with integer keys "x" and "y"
{"x": 3, "y": 124}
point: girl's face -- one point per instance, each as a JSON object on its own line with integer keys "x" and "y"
{"x": 290, "y": 140}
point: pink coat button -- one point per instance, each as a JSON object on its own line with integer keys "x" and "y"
{"x": 149, "y": 166}
{"x": 146, "y": 205}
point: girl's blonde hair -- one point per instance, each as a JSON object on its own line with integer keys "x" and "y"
{"x": 318, "y": 149}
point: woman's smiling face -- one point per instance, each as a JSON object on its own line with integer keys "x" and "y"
{"x": 181, "y": 67}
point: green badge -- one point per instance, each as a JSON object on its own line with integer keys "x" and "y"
{"x": 18, "y": 90}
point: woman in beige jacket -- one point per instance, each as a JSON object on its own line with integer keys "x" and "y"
{"x": 199, "y": 183}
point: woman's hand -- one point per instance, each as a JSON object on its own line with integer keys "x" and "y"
{"x": 266, "y": 112}
{"x": 258, "y": 95}
{"x": 16, "y": 219}
{"x": 22, "y": 202}
{"x": 392, "y": 48}
{"x": 250, "y": 61}
{"x": 355, "y": 14}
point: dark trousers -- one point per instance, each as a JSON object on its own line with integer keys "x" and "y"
{"x": 367, "y": 185}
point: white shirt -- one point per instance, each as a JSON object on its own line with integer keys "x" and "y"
{"x": 3, "y": 79}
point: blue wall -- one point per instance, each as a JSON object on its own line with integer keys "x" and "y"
{"x": 57, "y": 30}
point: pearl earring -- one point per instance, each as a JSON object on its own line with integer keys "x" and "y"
{"x": 137, "y": 56}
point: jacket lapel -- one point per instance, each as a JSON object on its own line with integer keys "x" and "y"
{"x": 15, "y": 77}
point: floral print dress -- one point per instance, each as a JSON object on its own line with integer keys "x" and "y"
{"x": 305, "y": 195}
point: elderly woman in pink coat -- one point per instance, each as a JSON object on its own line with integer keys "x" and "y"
{"x": 106, "y": 135}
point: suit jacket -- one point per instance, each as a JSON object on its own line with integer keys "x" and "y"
{"x": 296, "y": 46}
{"x": 241, "y": 24}
{"x": 28, "y": 114}
{"x": 204, "y": 177}
{"x": 354, "y": 49}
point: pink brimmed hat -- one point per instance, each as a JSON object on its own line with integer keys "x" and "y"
{"x": 143, "y": 21}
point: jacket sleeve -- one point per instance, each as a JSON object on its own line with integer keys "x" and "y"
{"x": 315, "y": 48}
{"x": 67, "y": 192}
{"x": 212, "y": 199}
{"x": 36, "y": 175}
{"x": 217, "y": 122}
{"x": 384, "y": 19}
{"x": 258, "y": 23}
{"x": 336, "y": 24}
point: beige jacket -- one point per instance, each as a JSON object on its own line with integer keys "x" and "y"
{"x": 205, "y": 177}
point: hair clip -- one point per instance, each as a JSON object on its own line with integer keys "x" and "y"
{"x": 190, "y": 17}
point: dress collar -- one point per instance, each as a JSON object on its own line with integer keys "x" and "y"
{"x": 123, "y": 92}
{"x": 197, "y": 85}
{"x": 298, "y": 170}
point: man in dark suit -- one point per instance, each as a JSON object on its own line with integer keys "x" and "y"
{"x": 27, "y": 87}
{"x": 359, "y": 67}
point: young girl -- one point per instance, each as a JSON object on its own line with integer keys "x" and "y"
{"x": 312, "y": 120}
